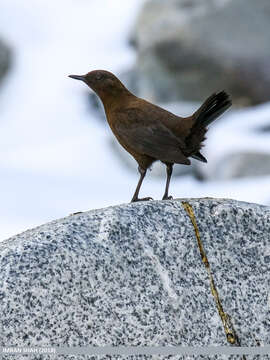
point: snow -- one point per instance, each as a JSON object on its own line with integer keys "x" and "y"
{"x": 55, "y": 155}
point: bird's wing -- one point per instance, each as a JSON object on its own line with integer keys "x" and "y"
{"x": 149, "y": 136}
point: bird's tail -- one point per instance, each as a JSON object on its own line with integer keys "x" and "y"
{"x": 212, "y": 108}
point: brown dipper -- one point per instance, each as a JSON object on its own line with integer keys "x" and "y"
{"x": 150, "y": 133}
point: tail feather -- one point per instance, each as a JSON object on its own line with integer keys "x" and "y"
{"x": 212, "y": 108}
{"x": 199, "y": 156}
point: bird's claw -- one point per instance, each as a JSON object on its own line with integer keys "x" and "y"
{"x": 167, "y": 198}
{"x": 76, "y": 213}
{"x": 142, "y": 199}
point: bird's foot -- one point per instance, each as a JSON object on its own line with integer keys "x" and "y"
{"x": 76, "y": 213}
{"x": 167, "y": 197}
{"x": 142, "y": 199}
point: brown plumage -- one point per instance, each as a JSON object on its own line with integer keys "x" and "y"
{"x": 147, "y": 131}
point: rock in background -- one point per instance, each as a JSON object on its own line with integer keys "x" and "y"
{"x": 188, "y": 49}
{"x": 5, "y": 59}
{"x": 133, "y": 275}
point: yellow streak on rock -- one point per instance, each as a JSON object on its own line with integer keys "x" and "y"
{"x": 229, "y": 331}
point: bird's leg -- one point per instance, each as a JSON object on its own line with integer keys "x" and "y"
{"x": 135, "y": 196}
{"x": 169, "y": 174}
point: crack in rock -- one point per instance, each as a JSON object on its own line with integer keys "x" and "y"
{"x": 231, "y": 336}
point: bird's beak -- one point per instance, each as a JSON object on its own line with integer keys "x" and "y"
{"x": 77, "y": 77}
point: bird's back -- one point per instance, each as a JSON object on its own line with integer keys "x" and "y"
{"x": 148, "y": 129}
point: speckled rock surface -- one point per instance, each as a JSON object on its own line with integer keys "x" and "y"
{"x": 132, "y": 275}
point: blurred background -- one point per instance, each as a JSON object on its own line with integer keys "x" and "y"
{"x": 57, "y": 154}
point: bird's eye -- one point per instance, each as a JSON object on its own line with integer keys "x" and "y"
{"x": 98, "y": 76}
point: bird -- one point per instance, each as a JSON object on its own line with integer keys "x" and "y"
{"x": 150, "y": 133}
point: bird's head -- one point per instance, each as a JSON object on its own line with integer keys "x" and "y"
{"x": 104, "y": 83}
